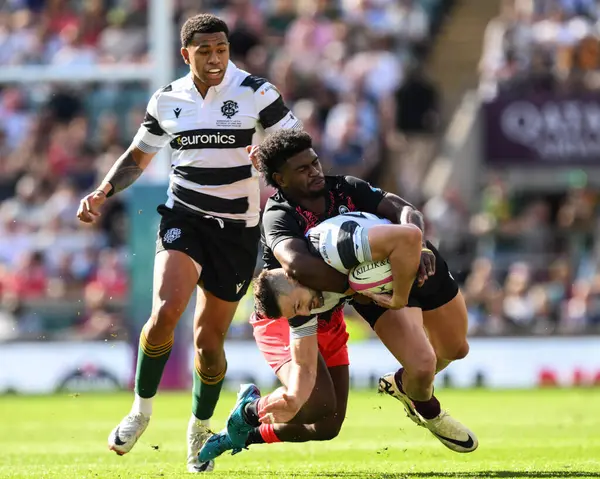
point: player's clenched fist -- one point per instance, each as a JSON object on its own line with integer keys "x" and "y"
{"x": 89, "y": 206}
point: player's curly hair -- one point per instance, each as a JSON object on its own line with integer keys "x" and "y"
{"x": 267, "y": 287}
{"x": 279, "y": 147}
{"x": 202, "y": 23}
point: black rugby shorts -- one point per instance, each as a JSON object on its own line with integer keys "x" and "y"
{"x": 226, "y": 252}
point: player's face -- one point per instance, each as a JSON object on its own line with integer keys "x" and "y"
{"x": 302, "y": 175}
{"x": 299, "y": 301}
{"x": 208, "y": 56}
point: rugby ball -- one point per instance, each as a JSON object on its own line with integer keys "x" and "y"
{"x": 375, "y": 276}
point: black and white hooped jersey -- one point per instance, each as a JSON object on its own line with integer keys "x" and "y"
{"x": 211, "y": 173}
{"x": 342, "y": 241}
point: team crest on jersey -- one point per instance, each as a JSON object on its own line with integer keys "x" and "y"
{"x": 229, "y": 108}
{"x": 171, "y": 235}
{"x": 343, "y": 209}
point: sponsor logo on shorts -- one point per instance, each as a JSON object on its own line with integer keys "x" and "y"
{"x": 171, "y": 235}
{"x": 239, "y": 286}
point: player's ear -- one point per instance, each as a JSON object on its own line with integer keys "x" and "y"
{"x": 186, "y": 55}
{"x": 278, "y": 178}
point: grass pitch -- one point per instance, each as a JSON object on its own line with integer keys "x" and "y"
{"x": 522, "y": 434}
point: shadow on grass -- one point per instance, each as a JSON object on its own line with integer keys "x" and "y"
{"x": 434, "y": 474}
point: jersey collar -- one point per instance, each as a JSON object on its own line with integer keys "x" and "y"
{"x": 229, "y": 75}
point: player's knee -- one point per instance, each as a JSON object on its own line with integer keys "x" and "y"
{"x": 166, "y": 315}
{"x": 460, "y": 351}
{"x": 423, "y": 371}
{"x": 328, "y": 429}
{"x": 329, "y": 407}
{"x": 320, "y": 407}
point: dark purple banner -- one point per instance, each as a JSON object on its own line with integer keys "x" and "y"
{"x": 542, "y": 131}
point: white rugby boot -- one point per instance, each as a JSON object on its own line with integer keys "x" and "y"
{"x": 197, "y": 435}
{"x": 123, "y": 437}
{"x": 387, "y": 385}
{"x": 451, "y": 433}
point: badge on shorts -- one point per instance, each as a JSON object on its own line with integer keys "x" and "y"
{"x": 171, "y": 235}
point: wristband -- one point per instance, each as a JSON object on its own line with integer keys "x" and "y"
{"x": 112, "y": 190}
{"x": 426, "y": 250}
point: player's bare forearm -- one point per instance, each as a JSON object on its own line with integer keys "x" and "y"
{"x": 400, "y": 211}
{"x": 401, "y": 244}
{"x": 306, "y": 268}
{"x": 126, "y": 170}
{"x": 402, "y": 278}
{"x": 316, "y": 274}
{"x": 411, "y": 216}
{"x": 303, "y": 370}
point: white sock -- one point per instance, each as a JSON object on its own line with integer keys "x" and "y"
{"x": 142, "y": 405}
{"x": 194, "y": 421}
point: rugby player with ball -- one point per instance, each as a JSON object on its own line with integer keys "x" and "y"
{"x": 316, "y": 229}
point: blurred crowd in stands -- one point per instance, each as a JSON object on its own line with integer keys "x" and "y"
{"x": 339, "y": 64}
{"x": 531, "y": 260}
{"x": 528, "y": 262}
{"x": 542, "y": 46}
{"x": 351, "y": 71}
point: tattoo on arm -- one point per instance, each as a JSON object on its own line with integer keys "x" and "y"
{"x": 123, "y": 173}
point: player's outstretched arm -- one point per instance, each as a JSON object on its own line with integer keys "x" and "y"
{"x": 306, "y": 268}
{"x": 123, "y": 173}
{"x": 284, "y": 403}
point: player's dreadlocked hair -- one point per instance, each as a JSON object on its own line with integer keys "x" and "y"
{"x": 203, "y": 23}
{"x": 279, "y": 147}
{"x": 267, "y": 288}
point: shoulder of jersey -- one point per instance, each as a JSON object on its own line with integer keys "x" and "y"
{"x": 259, "y": 85}
{"x": 335, "y": 181}
{"x": 178, "y": 85}
{"x": 276, "y": 201}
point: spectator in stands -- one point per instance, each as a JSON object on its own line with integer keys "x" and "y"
{"x": 416, "y": 117}
{"x": 29, "y": 279}
{"x": 278, "y": 20}
{"x": 98, "y": 321}
{"x": 27, "y": 208}
{"x": 408, "y": 22}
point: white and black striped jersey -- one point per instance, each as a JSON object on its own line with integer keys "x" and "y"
{"x": 210, "y": 170}
{"x": 284, "y": 219}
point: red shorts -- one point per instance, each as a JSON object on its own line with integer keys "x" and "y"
{"x": 273, "y": 339}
